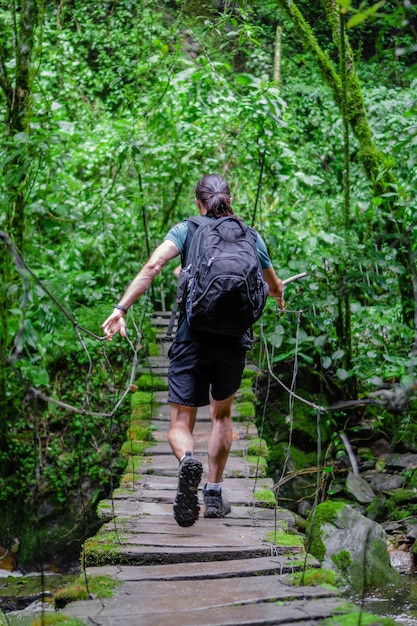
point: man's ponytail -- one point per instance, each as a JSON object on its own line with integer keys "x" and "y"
{"x": 214, "y": 194}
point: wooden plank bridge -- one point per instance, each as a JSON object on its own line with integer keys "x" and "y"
{"x": 218, "y": 572}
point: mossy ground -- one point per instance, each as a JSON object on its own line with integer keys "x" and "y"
{"x": 284, "y": 539}
{"x": 244, "y": 411}
{"x": 246, "y": 395}
{"x": 24, "y": 586}
{"x": 357, "y": 619}
{"x": 325, "y": 512}
{"x": 50, "y": 619}
{"x": 266, "y": 497}
{"x": 84, "y": 589}
{"x": 101, "y": 549}
{"x": 150, "y": 382}
{"x": 313, "y": 576}
{"x": 258, "y": 447}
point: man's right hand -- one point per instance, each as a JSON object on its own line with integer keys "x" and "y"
{"x": 114, "y": 324}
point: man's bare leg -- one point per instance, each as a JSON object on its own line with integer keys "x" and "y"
{"x": 220, "y": 440}
{"x": 180, "y": 435}
{"x": 219, "y": 446}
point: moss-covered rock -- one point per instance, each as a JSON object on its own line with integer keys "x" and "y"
{"x": 357, "y": 619}
{"x": 153, "y": 349}
{"x": 142, "y": 404}
{"x": 258, "y": 447}
{"x": 352, "y": 545}
{"x": 244, "y": 411}
{"x": 56, "y": 619}
{"x": 314, "y": 576}
{"x": 378, "y": 509}
{"x": 257, "y": 466}
{"x": 246, "y": 395}
{"x": 99, "y": 586}
{"x": 412, "y": 479}
{"x": 325, "y": 513}
{"x": 133, "y": 448}
{"x": 140, "y": 430}
{"x": 150, "y": 382}
{"x": 401, "y": 497}
{"x": 266, "y": 497}
{"x": 101, "y": 549}
{"x": 251, "y": 374}
{"x": 282, "y": 539}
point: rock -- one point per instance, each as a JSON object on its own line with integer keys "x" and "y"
{"x": 380, "y": 481}
{"x": 304, "y": 508}
{"x": 401, "y": 461}
{"x": 357, "y": 487}
{"x": 378, "y": 510}
{"x": 402, "y": 561}
{"x": 380, "y": 447}
{"x": 352, "y": 545}
{"x": 411, "y": 529}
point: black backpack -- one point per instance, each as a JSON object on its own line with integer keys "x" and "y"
{"x": 221, "y": 288}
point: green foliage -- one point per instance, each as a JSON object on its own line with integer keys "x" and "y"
{"x": 50, "y": 619}
{"x": 246, "y": 383}
{"x": 249, "y": 374}
{"x": 246, "y": 395}
{"x": 150, "y": 382}
{"x": 133, "y": 448}
{"x": 131, "y": 103}
{"x": 266, "y": 497}
{"x": 325, "y": 512}
{"x": 342, "y": 560}
{"x": 258, "y": 447}
{"x": 140, "y": 398}
{"x": 357, "y": 619}
{"x": 284, "y": 540}
{"x": 314, "y": 576}
{"x": 83, "y": 589}
{"x": 258, "y": 461}
{"x": 245, "y": 410}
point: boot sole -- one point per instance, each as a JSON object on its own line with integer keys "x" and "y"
{"x": 186, "y": 507}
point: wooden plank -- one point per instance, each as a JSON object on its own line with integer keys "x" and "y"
{"x": 166, "y": 598}
{"x": 207, "y": 570}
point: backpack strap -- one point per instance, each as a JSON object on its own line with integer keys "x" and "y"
{"x": 192, "y": 224}
{"x": 171, "y": 322}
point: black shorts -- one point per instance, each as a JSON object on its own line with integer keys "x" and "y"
{"x": 198, "y": 369}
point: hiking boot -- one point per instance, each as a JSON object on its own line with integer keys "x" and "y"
{"x": 216, "y": 505}
{"x": 186, "y": 507}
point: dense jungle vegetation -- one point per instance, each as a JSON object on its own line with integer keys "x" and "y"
{"x": 110, "y": 112}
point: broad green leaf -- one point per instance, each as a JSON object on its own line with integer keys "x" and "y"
{"x": 320, "y": 340}
{"x": 326, "y": 362}
{"x": 377, "y": 201}
{"x": 342, "y": 374}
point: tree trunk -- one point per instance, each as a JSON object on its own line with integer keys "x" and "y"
{"x": 18, "y": 93}
{"x": 277, "y": 55}
{"x": 25, "y": 18}
{"x": 376, "y": 167}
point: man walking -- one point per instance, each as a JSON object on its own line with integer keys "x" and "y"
{"x": 205, "y": 368}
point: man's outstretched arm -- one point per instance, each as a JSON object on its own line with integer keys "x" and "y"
{"x": 162, "y": 254}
